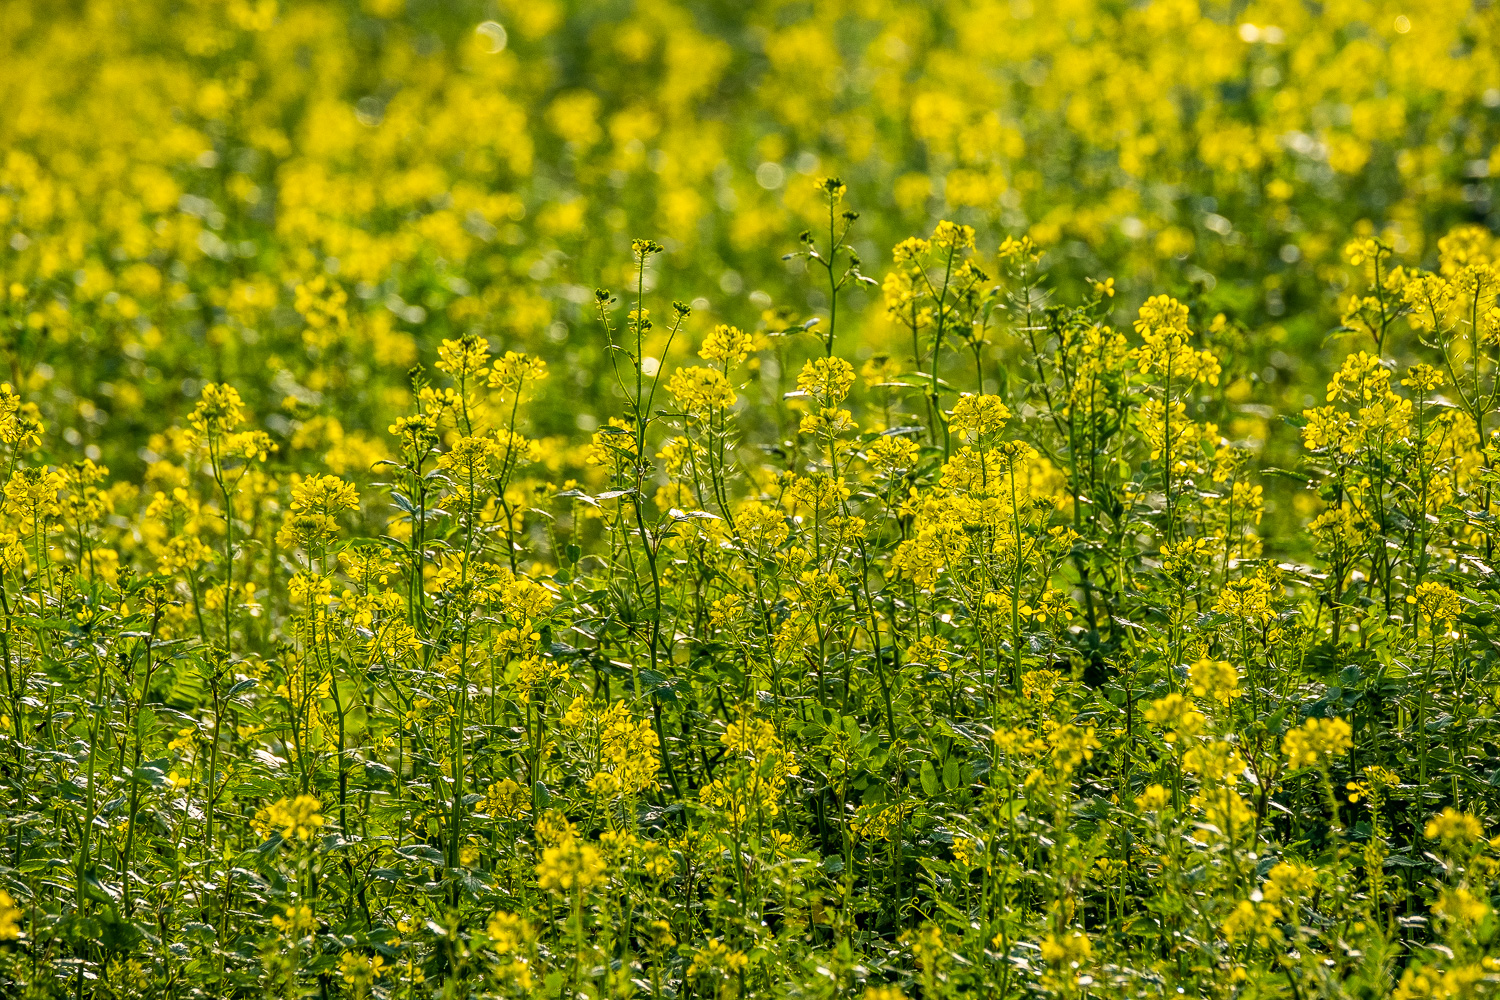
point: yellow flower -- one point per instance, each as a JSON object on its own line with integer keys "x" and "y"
{"x": 826, "y": 379}
{"x": 629, "y": 755}
{"x": 1430, "y": 298}
{"x": 505, "y": 799}
{"x": 701, "y": 389}
{"x": 1019, "y": 250}
{"x": 322, "y": 305}
{"x": 316, "y": 503}
{"x": 1072, "y": 745}
{"x": 1316, "y": 742}
{"x": 508, "y": 932}
{"x": 717, "y": 958}
{"x": 416, "y": 432}
{"x": 1289, "y": 881}
{"x": 182, "y": 554}
{"x": 757, "y": 776}
{"x": 20, "y": 423}
{"x": 1216, "y": 763}
{"x": 1455, "y": 830}
{"x": 1153, "y": 798}
{"x": 927, "y": 946}
{"x": 1437, "y": 606}
{"x": 726, "y": 344}
{"x": 1460, "y": 906}
{"x": 1254, "y": 923}
{"x": 1362, "y": 378}
{"x": 1359, "y": 250}
{"x": 1067, "y": 950}
{"x": 953, "y": 235}
{"x": 294, "y": 818}
{"x": 763, "y": 527}
{"x": 911, "y": 248}
{"x": 298, "y": 921}
{"x": 1177, "y": 715}
{"x": 727, "y": 611}
{"x": 10, "y": 917}
{"x": 1189, "y": 554}
{"x": 976, "y": 415}
{"x": 324, "y": 495}
{"x": 464, "y": 358}
{"x": 570, "y": 864}
{"x": 1424, "y": 982}
{"x": 643, "y": 249}
{"x": 1163, "y": 327}
{"x": 514, "y": 370}
{"x": 310, "y": 590}
{"x": 881, "y": 368}
{"x": 32, "y": 492}
{"x": 1424, "y": 377}
{"x": 219, "y": 410}
{"x": 929, "y": 651}
{"x": 360, "y": 971}
{"x": 1215, "y": 680}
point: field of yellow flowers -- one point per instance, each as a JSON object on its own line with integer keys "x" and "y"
{"x": 870, "y": 500}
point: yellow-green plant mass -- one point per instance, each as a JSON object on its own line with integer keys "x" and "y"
{"x": 513, "y": 498}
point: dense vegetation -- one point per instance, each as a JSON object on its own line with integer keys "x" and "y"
{"x": 768, "y": 499}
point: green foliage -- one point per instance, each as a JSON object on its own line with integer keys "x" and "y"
{"x": 966, "y": 624}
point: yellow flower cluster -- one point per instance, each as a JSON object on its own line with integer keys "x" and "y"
{"x": 296, "y": 818}
{"x": 1316, "y": 742}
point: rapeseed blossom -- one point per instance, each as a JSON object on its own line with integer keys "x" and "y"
{"x": 1070, "y": 419}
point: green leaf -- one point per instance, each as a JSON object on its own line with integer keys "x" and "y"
{"x": 422, "y": 853}
{"x": 929, "y": 778}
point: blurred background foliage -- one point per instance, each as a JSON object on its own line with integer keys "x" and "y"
{"x": 304, "y": 198}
